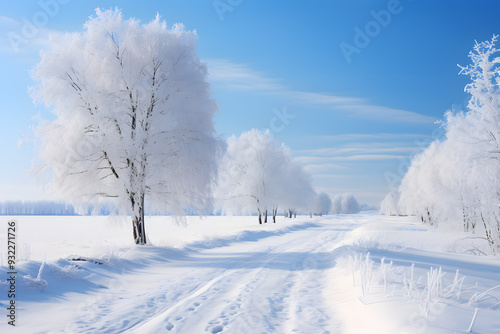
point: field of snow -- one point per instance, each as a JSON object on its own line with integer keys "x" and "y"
{"x": 362, "y": 273}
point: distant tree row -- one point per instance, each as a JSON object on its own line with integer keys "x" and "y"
{"x": 456, "y": 182}
{"x": 50, "y": 208}
{"x": 257, "y": 174}
{"x": 15, "y": 208}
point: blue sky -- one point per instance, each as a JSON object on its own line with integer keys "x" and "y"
{"x": 354, "y": 118}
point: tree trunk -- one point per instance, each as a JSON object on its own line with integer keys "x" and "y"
{"x": 260, "y": 217}
{"x": 265, "y": 217}
{"x": 275, "y": 211}
{"x": 138, "y": 221}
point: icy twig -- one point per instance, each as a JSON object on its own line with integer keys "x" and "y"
{"x": 472, "y": 322}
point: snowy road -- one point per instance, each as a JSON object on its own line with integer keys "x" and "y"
{"x": 262, "y": 283}
{"x": 345, "y": 274}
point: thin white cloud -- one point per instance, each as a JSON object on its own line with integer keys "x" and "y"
{"x": 356, "y": 150}
{"x": 328, "y": 176}
{"x": 369, "y": 157}
{"x": 322, "y": 99}
{"x": 7, "y": 22}
{"x": 381, "y": 112}
{"x": 23, "y": 37}
{"x": 242, "y": 77}
{"x": 239, "y": 77}
{"x": 358, "y": 157}
{"x": 359, "y": 150}
{"x": 317, "y": 169}
{"x": 385, "y": 136}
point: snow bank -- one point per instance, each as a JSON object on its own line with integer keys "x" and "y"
{"x": 396, "y": 276}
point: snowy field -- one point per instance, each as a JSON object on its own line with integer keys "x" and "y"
{"x": 362, "y": 273}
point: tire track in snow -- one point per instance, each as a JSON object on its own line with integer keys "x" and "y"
{"x": 224, "y": 289}
{"x": 179, "y": 309}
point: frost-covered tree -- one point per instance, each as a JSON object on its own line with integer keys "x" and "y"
{"x": 337, "y": 204}
{"x": 345, "y": 203}
{"x": 323, "y": 204}
{"x": 349, "y": 204}
{"x": 456, "y": 182}
{"x": 257, "y": 174}
{"x": 390, "y": 204}
{"x": 297, "y": 193}
{"x": 134, "y": 117}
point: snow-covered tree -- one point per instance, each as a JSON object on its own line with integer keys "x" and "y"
{"x": 390, "y": 204}
{"x": 134, "y": 117}
{"x": 349, "y": 204}
{"x": 457, "y": 180}
{"x": 257, "y": 174}
{"x": 323, "y": 204}
{"x": 297, "y": 193}
{"x": 345, "y": 203}
{"x": 337, "y": 204}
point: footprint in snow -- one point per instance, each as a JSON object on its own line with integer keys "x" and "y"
{"x": 192, "y": 308}
{"x": 217, "y": 329}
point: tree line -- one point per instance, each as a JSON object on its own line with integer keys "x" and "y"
{"x": 455, "y": 182}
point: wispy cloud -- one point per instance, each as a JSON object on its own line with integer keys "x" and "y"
{"x": 317, "y": 169}
{"x": 329, "y": 176}
{"x": 383, "y": 136}
{"x": 344, "y": 148}
{"x": 359, "y": 150}
{"x": 7, "y": 22}
{"x": 358, "y": 157}
{"x": 242, "y": 77}
{"x": 332, "y": 164}
{"x": 17, "y": 37}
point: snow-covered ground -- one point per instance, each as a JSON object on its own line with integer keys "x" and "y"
{"x": 336, "y": 274}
